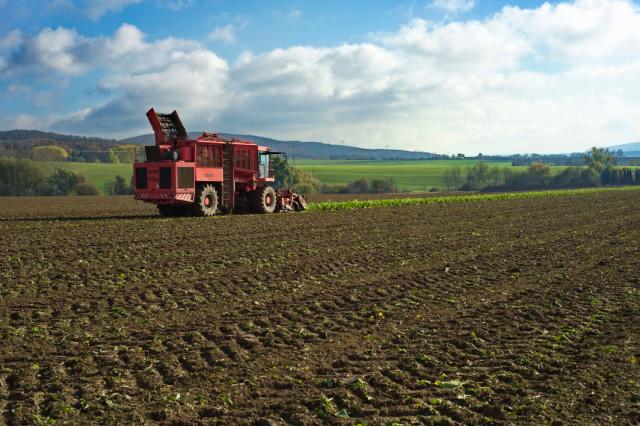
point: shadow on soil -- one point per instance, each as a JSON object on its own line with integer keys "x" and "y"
{"x": 75, "y": 218}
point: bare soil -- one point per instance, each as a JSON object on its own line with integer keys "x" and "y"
{"x": 521, "y": 311}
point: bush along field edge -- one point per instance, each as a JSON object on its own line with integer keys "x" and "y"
{"x": 397, "y": 202}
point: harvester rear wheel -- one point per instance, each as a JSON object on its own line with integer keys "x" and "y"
{"x": 206, "y": 203}
{"x": 264, "y": 200}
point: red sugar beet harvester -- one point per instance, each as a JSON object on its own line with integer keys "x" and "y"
{"x": 209, "y": 175}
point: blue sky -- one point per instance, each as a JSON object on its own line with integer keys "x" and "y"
{"x": 441, "y": 75}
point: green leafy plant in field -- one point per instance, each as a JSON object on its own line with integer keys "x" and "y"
{"x": 226, "y": 400}
{"x": 342, "y": 414}
{"x": 325, "y": 407}
{"x": 398, "y": 202}
{"x": 43, "y": 420}
{"x": 448, "y": 384}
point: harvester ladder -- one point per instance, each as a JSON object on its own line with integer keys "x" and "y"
{"x": 228, "y": 182}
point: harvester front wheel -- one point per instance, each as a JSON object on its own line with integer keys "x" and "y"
{"x": 206, "y": 203}
{"x": 265, "y": 200}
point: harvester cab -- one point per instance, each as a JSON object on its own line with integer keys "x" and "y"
{"x": 207, "y": 175}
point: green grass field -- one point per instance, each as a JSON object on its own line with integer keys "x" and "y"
{"x": 411, "y": 175}
{"x": 101, "y": 173}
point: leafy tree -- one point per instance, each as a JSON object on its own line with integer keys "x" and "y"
{"x": 615, "y": 176}
{"x": 477, "y": 176}
{"x": 598, "y": 159}
{"x": 63, "y": 182}
{"x": 495, "y": 176}
{"x": 287, "y": 176}
{"x": 606, "y": 177}
{"x": 119, "y": 186}
{"x": 112, "y": 157}
{"x": 590, "y": 177}
{"x": 383, "y": 185}
{"x": 304, "y": 181}
{"x": 126, "y": 153}
{"x": 282, "y": 172}
{"x": 359, "y": 186}
{"x": 452, "y": 178}
{"x": 20, "y": 177}
{"x": 49, "y": 153}
{"x": 538, "y": 174}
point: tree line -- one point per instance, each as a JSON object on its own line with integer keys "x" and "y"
{"x": 599, "y": 169}
{"x": 25, "y": 145}
{"x": 26, "y": 177}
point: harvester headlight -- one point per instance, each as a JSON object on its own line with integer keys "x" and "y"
{"x": 175, "y": 155}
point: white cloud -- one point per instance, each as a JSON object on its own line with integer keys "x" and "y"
{"x": 175, "y": 4}
{"x": 66, "y": 52}
{"x": 167, "y": 74}
{"x": 10, "y": 41}
{"x": 95, "y": 9}
{"x": 225, "y": 34}
{"x": 454, "y": 5}
{"x": 555, "y": 78}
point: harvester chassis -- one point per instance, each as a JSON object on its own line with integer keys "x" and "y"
{"x": 209, "y": 175}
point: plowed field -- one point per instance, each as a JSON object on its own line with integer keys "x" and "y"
{"x": 515, "y": 311}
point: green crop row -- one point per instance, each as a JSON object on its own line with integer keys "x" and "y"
{"x": 368, "y": 204}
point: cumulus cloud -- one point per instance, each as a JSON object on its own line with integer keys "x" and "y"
{"x": 66, "y": 52}
{"x": 95, "y": 9}
{"x": 555, "y": 78}
{"x": 175, "y": 4}
{"x": 10, "y": 41}
{"x": 522, "y": 80}
{"x": 225, "y": 34}
{"x": 168, "y": 73}
{"x": 453, "y": 5}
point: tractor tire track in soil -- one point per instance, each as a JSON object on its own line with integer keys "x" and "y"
{"x": 514, "y": 311}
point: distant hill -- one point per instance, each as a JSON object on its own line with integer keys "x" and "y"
{"x": 19, "y": 143}
{"x": 37, "y": 135}
{"x": 630, "y": 149}
{"x": 310, "y": 150}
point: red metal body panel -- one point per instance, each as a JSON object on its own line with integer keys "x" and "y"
{"x": 154, "y": 193}
{"x": 180, "y": 164}
{"x": 208, "y": 174}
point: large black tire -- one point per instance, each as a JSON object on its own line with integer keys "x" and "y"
{"x": 264, "y": 200}
{"x": 171, "y": 210}
{"x": 206, "y": 203}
